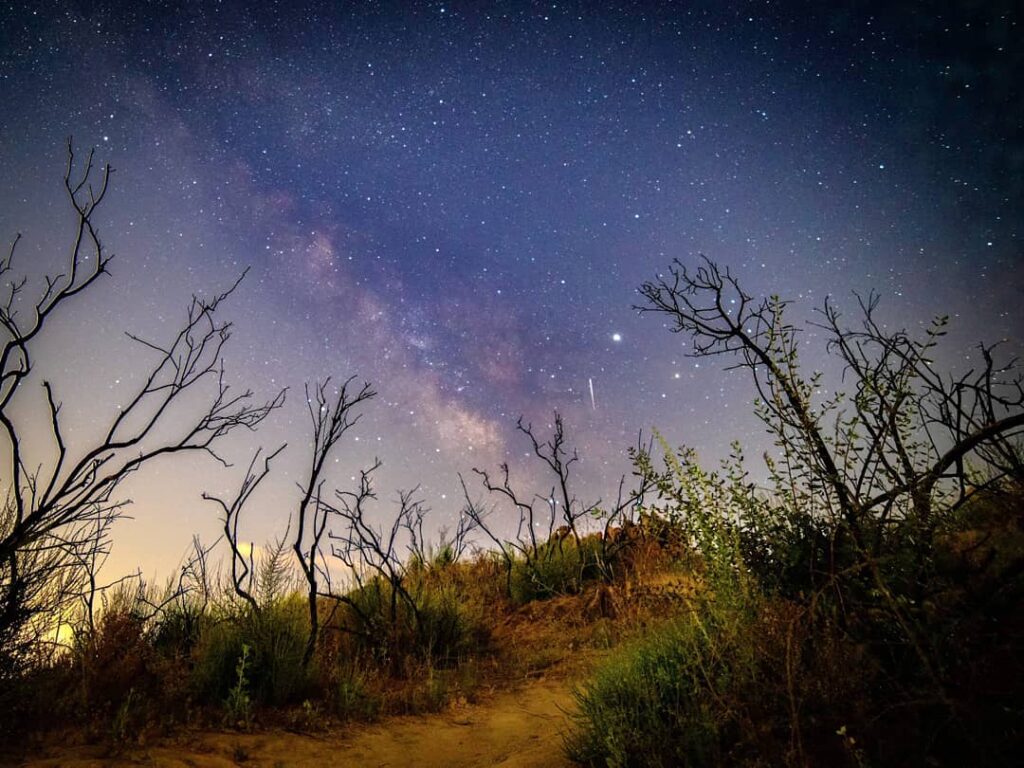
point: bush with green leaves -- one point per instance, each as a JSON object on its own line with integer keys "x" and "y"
{"x": 275, "y": 636}
{"x": 429, "y": 619}
{"x": 560, "y": 566}
{"x": 860, "y": 533}
{"x": 665, "y": 701}
{"x": 672, "y": 698}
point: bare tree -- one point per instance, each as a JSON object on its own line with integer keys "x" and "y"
{"x": 450, "y": 545}
{"x": 189, "y": 593}
{"x": 368, "y": 551}
{"x": 878, "y": 470}
{"x": 881, "y": 457}
{"x": 332, "y": 417}
{"x": 243, "y": 571}
{"x": 479, "y": 515}
{"x": 56, "y": 515}
{"x": 560, "y": 515}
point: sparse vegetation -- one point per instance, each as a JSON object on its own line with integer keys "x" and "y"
{"x": 844, "y": 607}
{"x": 860, "y": 606}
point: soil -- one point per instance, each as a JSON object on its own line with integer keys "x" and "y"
{"x": 516, "y": 719}
{"x": 520, "y": 728}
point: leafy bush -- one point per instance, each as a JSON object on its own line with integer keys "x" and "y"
{"x": 560, "y": 566}
{"x": 768, "y": 665}
{"x": 276, "y": 638}
{"x": 428, "y": 619}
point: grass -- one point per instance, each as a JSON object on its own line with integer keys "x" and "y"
{"x": 664, "y": 700}
{"x": 758, "y": 674}
{"x": 707, "y": 663}
{"x": 560, "y": 566}
{"x": 415, "y": 647}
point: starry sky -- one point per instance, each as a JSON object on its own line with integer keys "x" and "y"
{"x": 457, "y": 202}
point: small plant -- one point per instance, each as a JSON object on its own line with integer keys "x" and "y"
{"x": 354, "y": 700}
{"x": 121, "y": 726}
{"x": 436, "y": 689}
{"x": 309, "y": 718}
{"x": 239, "y": 702}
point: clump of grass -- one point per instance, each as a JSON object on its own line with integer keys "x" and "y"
{"x": 279, "y": 641}
{"x": 215, "y": 660}
{"x": 666, "y": 700}
{"x": 432, "y": 621}
{"x": 354, "y": 699}
{"x": 558, "y": 567}
{"x": 275, "y": 636}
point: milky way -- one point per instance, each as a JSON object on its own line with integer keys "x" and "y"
{"x": 457, "y": 201}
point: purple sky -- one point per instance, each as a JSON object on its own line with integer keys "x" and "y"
{"x": 457, "y": 201}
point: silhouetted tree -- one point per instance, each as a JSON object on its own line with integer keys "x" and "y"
{"x": 56, "y": 515}
{"x": 372, "y": 555}
{"x": 882, "y": 456}
{"x": 332, "y": 417}
{"x": 880, "y": 470}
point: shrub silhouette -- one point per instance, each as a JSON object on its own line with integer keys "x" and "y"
{"x": 888, "y": 538}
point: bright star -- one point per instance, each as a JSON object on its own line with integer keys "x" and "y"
{"x": 616, "y": 337}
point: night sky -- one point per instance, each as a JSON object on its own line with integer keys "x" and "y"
{"x": 457, "y": 202}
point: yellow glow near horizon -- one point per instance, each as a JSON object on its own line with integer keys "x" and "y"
{"x": 247, "y": 549}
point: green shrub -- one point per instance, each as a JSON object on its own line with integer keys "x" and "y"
{"x": 178, "y": 627}
{"x": 559, "y": 567}
{"x": 449, "y": 629}
{"x": 666, "y": 700}
{"x": 279, "y": 635}
{"x": 431, "y": 622}
{"x": 276, "y": 638}
{"x": 215, "y": 659}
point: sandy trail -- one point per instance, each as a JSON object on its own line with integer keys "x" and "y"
{"x": 520, "y": 728}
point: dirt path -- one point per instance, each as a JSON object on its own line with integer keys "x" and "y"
{"x": 520, "y": 728}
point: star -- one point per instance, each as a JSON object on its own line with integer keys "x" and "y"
{"x": 467, "y": 229}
